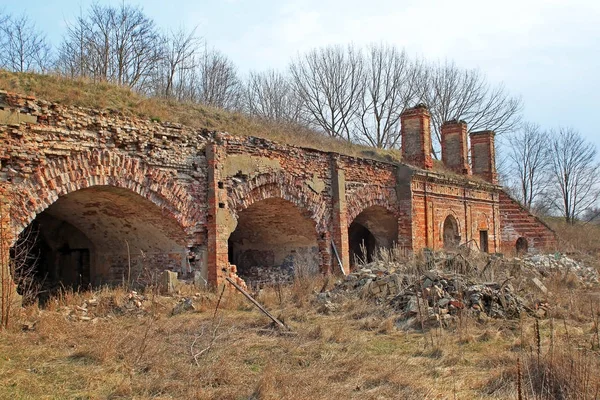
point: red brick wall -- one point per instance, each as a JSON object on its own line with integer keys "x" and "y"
{"x": 474, "y": 208}
{"x": 517, "y": 222}
{"x": 454, "y": 146}
{"x": 48, "y": 150}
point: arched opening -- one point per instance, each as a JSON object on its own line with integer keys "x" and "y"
{"x": 273, "y": 242}
{"x": 375, "y": 227}
{"x": 100, "y": 235}
{"x": 451, "y": 234}
{"x": 521, "y": 246}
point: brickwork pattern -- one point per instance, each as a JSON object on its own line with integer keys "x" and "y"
{"x": 202, "y": 179}
{"x": 454, "y": 147}
{"x": 416, "y": 137}
{"x": 517, "y": 222}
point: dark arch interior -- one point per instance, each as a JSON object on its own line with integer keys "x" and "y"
{"x": 273, "y": 241}
{"x": 375, "y": 227}
{"x": 450, "y": 232}
{"x": 521, "y": 245}
{"x": 100, "y": 235}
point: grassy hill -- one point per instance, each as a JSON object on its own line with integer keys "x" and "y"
{"x": 102, "y": 95}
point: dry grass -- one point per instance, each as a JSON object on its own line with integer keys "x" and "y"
{"x": 353, "y": 352}
{"x": 580, "y": 238}
{"x": 101, "y": 95}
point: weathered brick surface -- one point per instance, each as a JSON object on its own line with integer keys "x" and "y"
{"x": 474, "y": 206}
{"x": 483, "y": 155}
{"x": 454, "y": 146}
{"x": 204, "y": 182}
{"x": 517, "y": 223}
{"x": 416, "y": 137}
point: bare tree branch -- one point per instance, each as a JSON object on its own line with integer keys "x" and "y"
{"x": 528, "y": 157}
{"x": 575, "y": 173}
{"x": 219, "y": 85}
{"x": 330, "y": 84}
{"x": 390, "y": 88}
{"x": 115, "y": 44}
{"x": 270, "y": 95}
{"x": 453, "y": 93}
{"x": 22, "y": 47}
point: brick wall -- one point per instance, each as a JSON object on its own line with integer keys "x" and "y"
{"x": 473, "y": 206}
{"x": 189, "y": 188}
{"x": 517, "y": 223}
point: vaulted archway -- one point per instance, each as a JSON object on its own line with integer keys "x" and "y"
{"x": 273, "y": 241}
{"x": 373, "y": 228}
{"x": 100, "y": 217}
{"x": 451, "y": 232}
{"x": 102, "y": 235}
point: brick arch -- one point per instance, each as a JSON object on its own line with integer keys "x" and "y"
{"x": 369, "y": 196}
{"x": 460, "y": 227}
{"x": 102, "y": 168}
{"x": 284, "y": 186}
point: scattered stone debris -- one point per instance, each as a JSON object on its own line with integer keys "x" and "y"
{"x": 444, "y": 285}
{"x": 549, "y": 264}
{"x": 435, "y": 296}
{"x": 185, "y": 304}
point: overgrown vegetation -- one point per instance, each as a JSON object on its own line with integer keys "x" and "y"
{"x": 104, "y": 344}
{"x": 83, "y": 93}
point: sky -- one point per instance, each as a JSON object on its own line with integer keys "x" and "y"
{"x": 547, "y": 52}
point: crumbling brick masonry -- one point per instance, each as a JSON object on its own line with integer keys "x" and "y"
{"x": 112, "y": 198}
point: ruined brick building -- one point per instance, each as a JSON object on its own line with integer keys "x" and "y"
{"x": 109, "y": 195}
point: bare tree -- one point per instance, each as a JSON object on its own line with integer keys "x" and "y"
{"x": 175, "y": 72}
{"x": 22, "y": 47}
{"x": 116, "y": 44}
{"x": 390, "y": 88}
{"x": 219, "y": 85}
{"x": 330, "y": 84}
{"x": 453, "y": 93}
{"x": 270, "y": 95}
{"x": 528, "y": 158}
{"x": 575, "y": 173}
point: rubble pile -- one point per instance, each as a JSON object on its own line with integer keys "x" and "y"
{"x": 93, "y": 309}
{"x": 434, "y": 296}
{"x": 549, "y": 264}
{"x": 437, "y": 288}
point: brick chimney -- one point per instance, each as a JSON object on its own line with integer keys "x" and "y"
{"x": 483, "y": 155}
{"x": 416, "y": 137}
{"x": 454, "y": 146}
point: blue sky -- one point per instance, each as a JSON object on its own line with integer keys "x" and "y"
{"x": 548, "y": 51}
